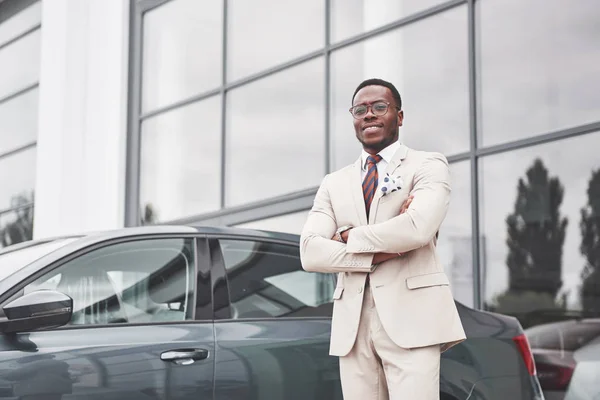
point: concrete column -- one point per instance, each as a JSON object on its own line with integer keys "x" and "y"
{"x": 82, "y": 116}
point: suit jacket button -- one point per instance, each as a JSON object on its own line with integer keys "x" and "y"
{"x": 360, "y": 289}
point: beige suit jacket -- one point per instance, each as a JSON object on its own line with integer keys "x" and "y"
{"x": 411, "y": 292}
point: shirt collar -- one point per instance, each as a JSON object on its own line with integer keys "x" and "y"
{"x": 386, "y": 154}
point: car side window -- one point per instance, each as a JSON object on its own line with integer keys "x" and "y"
{"x": 267, "y": 280}
{"x": 132, "y": 282}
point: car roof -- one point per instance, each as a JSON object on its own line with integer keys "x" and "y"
{"x": 119, "y": 233}
{"x": 92, "y": 238}
{"x": 191, "y": 229}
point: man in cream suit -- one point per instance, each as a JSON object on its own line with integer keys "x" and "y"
{"x": 374, "y": 223}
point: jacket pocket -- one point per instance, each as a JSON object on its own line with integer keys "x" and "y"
{"x": 434, "y": 279}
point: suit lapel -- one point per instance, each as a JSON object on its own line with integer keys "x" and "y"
{"x": 394, "y": 164}
{"x": 357, "y": 193}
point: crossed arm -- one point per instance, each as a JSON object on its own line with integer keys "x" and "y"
{"x": 411, "y": 229}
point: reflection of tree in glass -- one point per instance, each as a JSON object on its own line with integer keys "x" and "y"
{"x": 536, "y": 233}
{"x": 590, "y": 248}
{"x": 21, "y": 228}
{"x": 149, "y": 215}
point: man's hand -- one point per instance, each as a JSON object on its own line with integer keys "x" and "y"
{"x": 381, "y": 257}
{"x": 406, "y": 204}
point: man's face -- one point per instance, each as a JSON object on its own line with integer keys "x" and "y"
{"x": 377, "y": 132}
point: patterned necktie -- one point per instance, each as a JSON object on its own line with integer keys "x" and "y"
{"x": 370, "y": 182}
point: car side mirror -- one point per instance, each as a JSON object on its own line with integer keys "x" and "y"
{"x": 41, "y": 309}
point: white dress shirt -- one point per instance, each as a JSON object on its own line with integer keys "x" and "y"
{"x": 386, "y": 156}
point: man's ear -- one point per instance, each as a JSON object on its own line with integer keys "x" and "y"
{"x": 400, "y": 117}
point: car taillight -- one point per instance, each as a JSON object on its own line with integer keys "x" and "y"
{"x": 523, "y": 346}
{"x": 554, "y": 377}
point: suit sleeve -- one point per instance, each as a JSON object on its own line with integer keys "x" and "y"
{"x": 318, "y": 252}
{"x": 419, "y": 224}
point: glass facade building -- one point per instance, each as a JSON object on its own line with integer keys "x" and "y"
{"x": 237, "y": 109}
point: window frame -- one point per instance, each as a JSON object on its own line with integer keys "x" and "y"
{"x": 200, "y": 268}
{"x": 220, "y": 275}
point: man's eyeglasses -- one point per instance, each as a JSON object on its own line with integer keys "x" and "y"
{"x": 378, "y": 108}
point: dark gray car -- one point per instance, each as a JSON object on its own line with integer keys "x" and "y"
{"x": 202, "y": 313}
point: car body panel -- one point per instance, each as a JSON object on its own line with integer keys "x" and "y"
{"x": 253, "y": 358}
{"x": 285, "y": 359}
{"x": 113, "y": 362}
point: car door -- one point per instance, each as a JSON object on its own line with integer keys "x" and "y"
{"x": 141, "y": 326}
{"x": 273, "y": 325}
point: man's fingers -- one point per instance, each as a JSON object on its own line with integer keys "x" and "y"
{"x": 406, "y": 204}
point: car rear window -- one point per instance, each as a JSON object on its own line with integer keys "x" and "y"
{"x": 568, "y": 337}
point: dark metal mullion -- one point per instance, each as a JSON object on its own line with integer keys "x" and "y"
{"x": 328, "y": 110}
{"x": 133, "y": 151}
{"x": 459, "y": 157}
{"x": 224, "y": 94}
{"x": 18, "y": 150}
{"x": 19, "y": 92}
{"x": 20, "y": 36}
{"x": 539, "y": 139}
{"x": 475, "y": 242}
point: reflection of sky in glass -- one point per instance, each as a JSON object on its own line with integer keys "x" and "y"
{"x": 352, "y": 17}
{"x": 275, "y": 134}
{"x": 572, "y": 161}
{"x": 17, "y": 174}
{"x": 264, "y": 33}
{"x": 539, "y": 66}
{"x": 180, "y": 160}
{"x": 454, "y": 245}
{"x": 18, "y": 121}
{"x": 427, "y": 62}
{"x": 20, "y": 64}
{"x": 182, "y": 51}
{"x": 289, "y": 223}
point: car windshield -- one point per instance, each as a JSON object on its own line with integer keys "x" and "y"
{"x": 12, "y": 261}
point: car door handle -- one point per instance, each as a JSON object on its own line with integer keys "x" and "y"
{"x": 184, "y": 356}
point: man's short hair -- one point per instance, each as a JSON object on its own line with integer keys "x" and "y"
{"x": 380, "y": 82}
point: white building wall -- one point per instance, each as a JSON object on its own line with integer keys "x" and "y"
{"x": 82, "y": 116}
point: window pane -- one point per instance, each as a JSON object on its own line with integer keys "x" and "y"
{"x": 411, "y": 58}
{"x": 15, "y": 227}
{"x": 181, "y": 162}
{"x": 353, "y": 17}
{"x": 20, "y": 64}
{"x": 17, "y": 174}
{"x": 182, "y": 53}
{"x": 20, "y": 22}
{"x": 455, "y": 240}
{"x": 275, "y": 128}
{"x": 135, "y": 282}
{"x": 289, "y": 223}
{"x": 540, "y": 224}
{"x": 539, "y": 67}
{"x": 267, "y": 280}
{"x": 259, "y": 39}
{"x": 19, "y": 118}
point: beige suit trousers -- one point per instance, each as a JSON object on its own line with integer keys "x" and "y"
{"x": 378, "y": 369}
